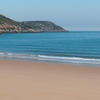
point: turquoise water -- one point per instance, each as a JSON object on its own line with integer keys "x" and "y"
{"x": 69, "y": 47}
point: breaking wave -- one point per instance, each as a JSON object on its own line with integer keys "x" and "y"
{"x": 58, "y": 59}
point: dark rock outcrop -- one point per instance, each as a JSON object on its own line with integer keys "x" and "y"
{"x": 8, "y": 25}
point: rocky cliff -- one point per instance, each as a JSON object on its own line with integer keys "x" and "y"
{"x": 8, "y": 25}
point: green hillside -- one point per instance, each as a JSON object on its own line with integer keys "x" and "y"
{"x": 8, "y": 25}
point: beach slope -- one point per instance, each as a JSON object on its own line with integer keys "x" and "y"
{"x": 20, "y": 80}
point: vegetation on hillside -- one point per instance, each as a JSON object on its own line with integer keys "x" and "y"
{"x": 11, "y": 26}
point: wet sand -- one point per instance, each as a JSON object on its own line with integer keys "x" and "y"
{"x": 20, "y": 80}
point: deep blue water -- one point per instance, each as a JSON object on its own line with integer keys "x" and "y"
{"x": 69, "y": 47}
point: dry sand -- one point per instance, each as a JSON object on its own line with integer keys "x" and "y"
{"x": 21, "y": 80}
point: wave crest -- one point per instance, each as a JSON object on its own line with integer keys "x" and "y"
{"x": 68, "y": 60}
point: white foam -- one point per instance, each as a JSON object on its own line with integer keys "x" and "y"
{"x": 75, "y": 60}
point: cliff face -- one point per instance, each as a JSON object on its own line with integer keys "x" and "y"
{"x": 10, "y": 26}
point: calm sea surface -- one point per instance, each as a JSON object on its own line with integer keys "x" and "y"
{"x": 72, "y": 47}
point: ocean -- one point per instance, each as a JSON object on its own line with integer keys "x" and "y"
{"x": 74, "y": 47}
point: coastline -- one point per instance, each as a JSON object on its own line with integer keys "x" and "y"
{"x": 51, "y": 59}
{"x": 23, "y": 80}
{"x": 50, "y": 47}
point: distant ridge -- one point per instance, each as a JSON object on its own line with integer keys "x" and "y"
{"x": 8, "y": 25}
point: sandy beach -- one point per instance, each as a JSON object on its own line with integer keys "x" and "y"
{"x": 20, "y": 80}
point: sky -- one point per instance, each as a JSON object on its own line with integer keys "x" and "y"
{"x": 73, "y": 15}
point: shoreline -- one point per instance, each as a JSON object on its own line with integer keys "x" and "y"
{"x": 23, "y": 80}
{"x": 94, "y": 62}
{"x": 43, "y": 60}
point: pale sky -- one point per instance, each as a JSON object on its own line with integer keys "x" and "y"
{"x": 70, "y": 14}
